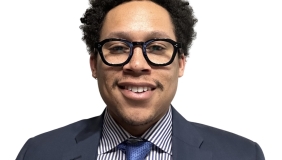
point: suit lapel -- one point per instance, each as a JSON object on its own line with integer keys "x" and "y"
{"x": 87, "y": 141}
{"x": 186, "y": 141}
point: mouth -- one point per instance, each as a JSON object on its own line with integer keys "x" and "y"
{"x": 137, "y": 89}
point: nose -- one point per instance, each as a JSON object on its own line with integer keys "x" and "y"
{"x": 137, "y": 63}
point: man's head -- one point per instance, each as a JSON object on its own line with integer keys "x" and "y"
{"x": 137, "y": 93}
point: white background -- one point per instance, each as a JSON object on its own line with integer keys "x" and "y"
{"x": 232, "y": 81}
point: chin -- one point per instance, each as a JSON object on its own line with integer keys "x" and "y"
{"x": 138, "y": 119}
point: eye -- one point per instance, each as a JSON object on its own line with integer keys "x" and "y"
{"x": 118, "y": 48}
{"x": 155, "y": 48}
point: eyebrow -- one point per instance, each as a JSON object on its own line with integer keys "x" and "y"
{"x": 127, "y": 35}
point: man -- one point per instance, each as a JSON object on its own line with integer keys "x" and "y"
{"x": 138, "y": 51}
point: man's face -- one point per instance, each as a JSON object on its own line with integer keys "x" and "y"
{"x": 137, "y": 21}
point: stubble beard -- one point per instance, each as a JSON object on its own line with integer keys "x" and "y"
{"x": 135, "y": 121}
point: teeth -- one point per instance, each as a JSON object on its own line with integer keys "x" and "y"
{"x": 145, "y": 89}
{"x": 138, "y": 89}
{"x": 134, "y": 89}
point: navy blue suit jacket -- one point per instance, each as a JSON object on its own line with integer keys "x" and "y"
{"x": 190, "y": 141}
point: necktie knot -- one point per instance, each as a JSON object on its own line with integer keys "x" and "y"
{"x": 135, "y": 149}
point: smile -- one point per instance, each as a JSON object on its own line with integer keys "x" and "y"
{"x": 137, "y": 89}
{"x": 137, "y": 92}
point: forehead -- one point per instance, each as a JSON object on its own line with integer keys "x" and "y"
{"x": 137, "y": 20}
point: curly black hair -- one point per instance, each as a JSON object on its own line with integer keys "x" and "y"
{"x": 180, "y": 11}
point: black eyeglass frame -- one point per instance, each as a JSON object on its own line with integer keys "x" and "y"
{"x": 175, "y": 45}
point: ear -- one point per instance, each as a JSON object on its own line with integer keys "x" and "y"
{"x": 182, "y": 63}
{"x": 93, "y": 65}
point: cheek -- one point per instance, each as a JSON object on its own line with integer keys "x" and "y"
{"x": 105, "y": 79}
{"x": 107, "y": 92}
{"x": 172, "y": 79}
{"x": 169, "y": 80}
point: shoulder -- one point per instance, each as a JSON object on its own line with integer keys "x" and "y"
{"x": 211, "y": 133}
{"x": 53, "y": 143}
{"x": 66, "y": 133}
{"x": 227, "y": 144}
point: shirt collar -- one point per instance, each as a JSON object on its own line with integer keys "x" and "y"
{"x": 160, "y": 134}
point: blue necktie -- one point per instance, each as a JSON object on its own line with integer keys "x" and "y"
{"x": 135, "y": 150}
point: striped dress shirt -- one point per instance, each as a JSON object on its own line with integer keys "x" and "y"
{"x": 160, "y": 135}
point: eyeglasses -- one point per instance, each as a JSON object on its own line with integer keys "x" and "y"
{"x": 118, "y": 52}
